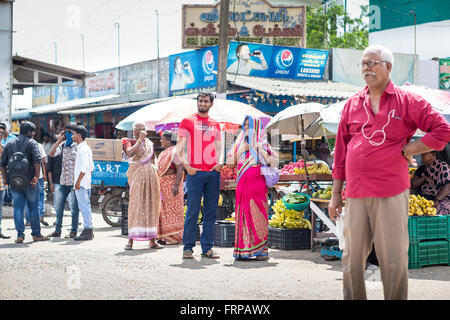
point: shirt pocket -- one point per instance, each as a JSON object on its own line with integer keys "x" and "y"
{"x": 356, "y": 126}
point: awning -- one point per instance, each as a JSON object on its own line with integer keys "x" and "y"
{"x": 311, "y": 88}
{"x": 21, "y": 115}
{"x": 103, "y": 108}
{"x": 29, "y": 73}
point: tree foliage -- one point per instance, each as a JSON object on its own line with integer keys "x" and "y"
{"x": 356, "y": 35}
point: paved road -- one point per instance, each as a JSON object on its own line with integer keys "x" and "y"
{"x": 101, "y": 269}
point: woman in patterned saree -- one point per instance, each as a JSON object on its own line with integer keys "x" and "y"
{"x": 433, "y": 181}
{"x": 145, "y": 197}
{"x": 171, "y": 220}
{"x": 252, "y": 210}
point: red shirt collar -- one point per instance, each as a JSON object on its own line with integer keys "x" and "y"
{"x": 389, "y": 89}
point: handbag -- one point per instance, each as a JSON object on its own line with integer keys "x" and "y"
{"x": 271, "y": 174}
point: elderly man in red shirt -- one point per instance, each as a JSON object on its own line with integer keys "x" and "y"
{"x": 372, "y": 153}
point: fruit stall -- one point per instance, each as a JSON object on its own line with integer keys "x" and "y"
{"x": 314, "y": 180}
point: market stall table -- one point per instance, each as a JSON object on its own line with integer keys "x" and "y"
{"x": 316, "y": 204}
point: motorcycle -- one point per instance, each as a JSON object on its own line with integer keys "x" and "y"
{"x": 110, "y": 202}
{"x": 110, "y": 179}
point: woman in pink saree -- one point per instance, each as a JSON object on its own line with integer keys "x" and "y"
{"x": 252, "y": 209}
{"x": 145, "y": 197}
{"x": 171, "y": 219}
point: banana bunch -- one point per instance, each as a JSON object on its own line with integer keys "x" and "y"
{"x": 317, "y": 168}
{"x": 419, "y": 206}
{"x": 287, "y": 218}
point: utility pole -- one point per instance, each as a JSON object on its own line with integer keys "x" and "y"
{"x": 56, "y": 50}
{"x": 325, "y": 24}
{"x": 82, "y": 48}
{"x": 413, "y": 13}
{"x": 157, "y": 48}
{"x": 223, "y": 47}
{"x": 415, "y": 52}
{"x": 117, "y": 25}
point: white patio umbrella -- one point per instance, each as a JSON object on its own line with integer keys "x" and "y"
{"x": 289, "y": 121}
{"x": 153, "y": 113}
{"x": 229, "y": 113}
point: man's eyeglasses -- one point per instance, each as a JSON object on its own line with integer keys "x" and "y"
{"x": 370, "y": 63}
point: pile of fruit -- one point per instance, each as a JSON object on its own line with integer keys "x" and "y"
{"x": 419, "y": 206}
{"x": 299, "y": 168}
{"x": 323, "y": 193}
{"x": 411, "y": 172}
{"x": 228, "y": 174}
{"x": 287, "y": 218}
{"x": 295, "y": 198}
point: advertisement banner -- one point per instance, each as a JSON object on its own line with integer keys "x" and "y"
{"x": 104, "y": 83}
{"x": 255, "y": 21}
{"x": 194, "y": 71}
{"x": 444, "y": 73}
{"x": 267, "y": 61}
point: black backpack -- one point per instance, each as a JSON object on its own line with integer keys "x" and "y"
{"x": 18, "y": 169}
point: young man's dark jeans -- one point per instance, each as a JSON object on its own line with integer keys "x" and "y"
{"x": 30, "y": 197}
{"x": 206, "y": 184}
{"x": 63, "y": 192}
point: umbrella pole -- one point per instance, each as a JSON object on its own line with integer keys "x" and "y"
{"x": 303, "y": 152}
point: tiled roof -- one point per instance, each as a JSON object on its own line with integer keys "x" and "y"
{"x": 315, "y": 88}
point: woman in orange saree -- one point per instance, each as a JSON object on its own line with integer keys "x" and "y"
{"x": 171, "y": 219}
{"x": 252, "y": 209}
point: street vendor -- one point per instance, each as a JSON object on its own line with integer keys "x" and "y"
{"x": 433, "y": 181}
{"x": 372, "y": 153}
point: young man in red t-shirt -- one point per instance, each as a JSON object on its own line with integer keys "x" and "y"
{"x": 203, "y": 162}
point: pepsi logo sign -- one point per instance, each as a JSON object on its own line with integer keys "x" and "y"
{"x": 284, "y": 59}
{"x": 208, "y": 62}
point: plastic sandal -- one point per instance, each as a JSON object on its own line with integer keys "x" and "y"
{"x": 187, "y": 254}
{"x": 210, "y": 255}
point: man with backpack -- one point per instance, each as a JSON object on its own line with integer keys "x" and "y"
{"x": 20, "y": 164}
{"x": 67, "y": 148}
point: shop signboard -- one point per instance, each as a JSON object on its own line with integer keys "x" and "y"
{"x": 444, "y": 73}
{"x": 68, "y": 92}
{"x": 268, "y": 61}
{"x": 249, "y": 20}
{"x": 193, "y": 71}
{"x": 103, "y": 84}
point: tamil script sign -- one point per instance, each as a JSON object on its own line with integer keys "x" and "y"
{"x": 267, "y": 61}
{"x": 249, "y": 21}
{"x": 193, "y": 71}
{"x": 444, "y": 73}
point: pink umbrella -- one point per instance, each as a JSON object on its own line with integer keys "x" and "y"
{"x": 229, "y": 113}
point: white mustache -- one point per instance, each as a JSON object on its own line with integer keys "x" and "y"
{"x": 369, "y": 74}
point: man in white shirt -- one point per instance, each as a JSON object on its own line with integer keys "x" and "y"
{"x": 84, "y": 166}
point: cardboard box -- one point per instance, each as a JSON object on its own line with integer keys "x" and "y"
{"x": 105, "y": 149}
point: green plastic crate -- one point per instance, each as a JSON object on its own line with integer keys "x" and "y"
{"x": 428, "y": 228}
{"x": 428, "y": 253}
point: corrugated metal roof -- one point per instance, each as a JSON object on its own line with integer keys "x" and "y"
{"x": 21, "y": 115}
{"x": 70, "y": 104}
{"x": 102, "y": 108}
{"x": 313, "y": 88}
{"x": 95, "y": 109}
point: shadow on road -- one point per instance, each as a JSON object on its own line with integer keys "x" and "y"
{"x": 136, "y": 252}
{"x": 195, "y": 264}
{"x": 15, "y": 245}
{"x": 251, "y": 264}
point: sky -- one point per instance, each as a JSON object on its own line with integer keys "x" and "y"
{"x": 45, "y": 25}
